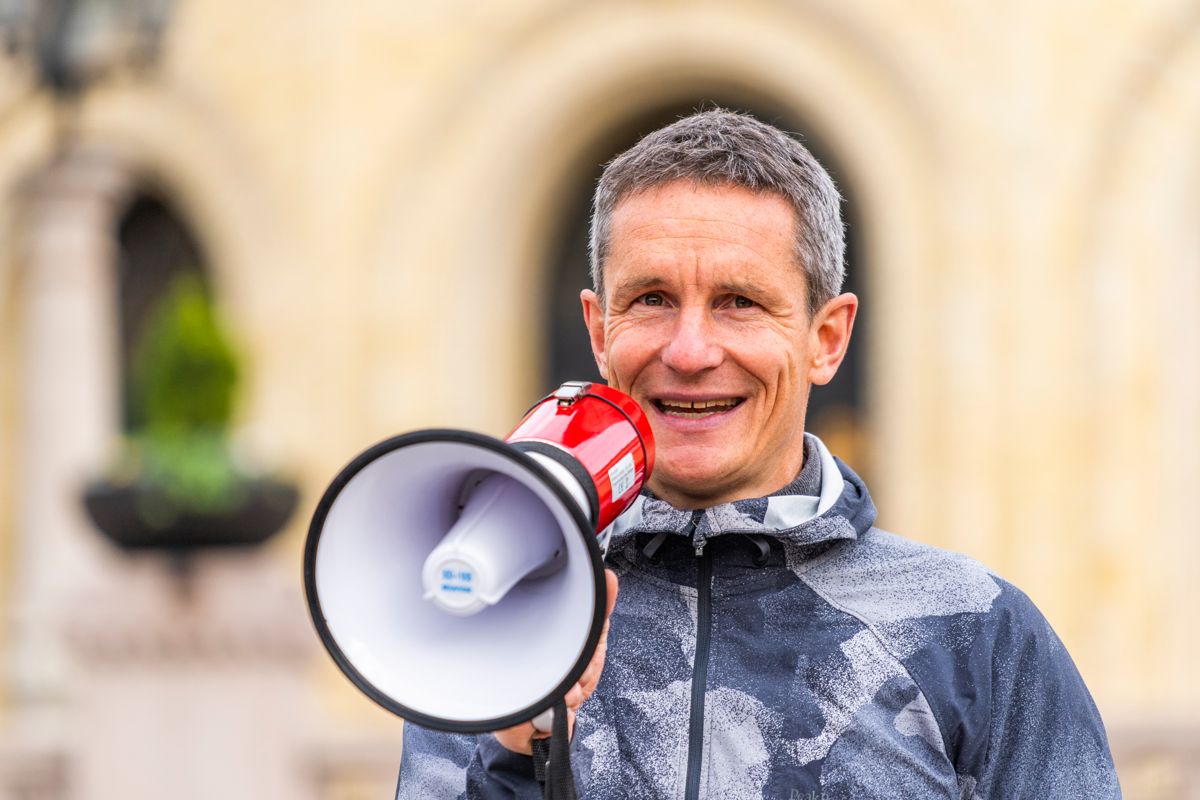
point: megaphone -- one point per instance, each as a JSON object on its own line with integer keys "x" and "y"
{"x": 456, "y": 579}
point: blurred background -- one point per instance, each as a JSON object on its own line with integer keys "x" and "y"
{"x": 239, "y": 242}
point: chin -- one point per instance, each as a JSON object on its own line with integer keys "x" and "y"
{"x": 705, "y": 482}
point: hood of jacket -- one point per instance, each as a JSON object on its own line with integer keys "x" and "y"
{"x": 842, "y": 510}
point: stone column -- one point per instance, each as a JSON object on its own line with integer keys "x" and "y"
{"x": 68, "y": 406}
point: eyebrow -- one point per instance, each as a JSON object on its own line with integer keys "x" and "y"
{"x": 639, "y": 284}
{"x": 731, "y": 287}
{"x": 741, "y": 287}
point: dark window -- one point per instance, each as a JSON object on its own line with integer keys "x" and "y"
{"x": 154, "y": 247}
{"x": 835, "y": 411}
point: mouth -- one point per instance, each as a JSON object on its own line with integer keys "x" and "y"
{"x": 696, "y": 409}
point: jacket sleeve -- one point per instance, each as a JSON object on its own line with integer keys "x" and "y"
{"x": 1040, "y": 734}
{"x": 451, "y": 766}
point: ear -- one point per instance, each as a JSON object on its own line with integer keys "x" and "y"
{"x": 830, "y": 336}
{"x": 593, "y": 318}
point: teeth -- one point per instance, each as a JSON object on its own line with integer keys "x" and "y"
{"x": 696, "y": 405}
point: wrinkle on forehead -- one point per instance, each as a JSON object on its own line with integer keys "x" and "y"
{"x": 704, "y": 228}
{"x": 760, "y": 250}
{"x": 704, "y": 223}
{"x": 682, "y": 200}
{"x": 730, "y": 215}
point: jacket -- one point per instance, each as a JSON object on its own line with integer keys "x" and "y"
{"x": 783, "y": 647}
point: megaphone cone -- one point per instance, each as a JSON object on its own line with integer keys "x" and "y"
{"x": 457, "y": 579}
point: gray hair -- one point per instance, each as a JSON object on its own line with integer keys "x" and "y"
{"x": 726, "y": 147}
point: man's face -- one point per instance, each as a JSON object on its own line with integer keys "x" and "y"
{"x": 706, "y": 325}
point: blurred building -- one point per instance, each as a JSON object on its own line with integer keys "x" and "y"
{"x": 389, "y": 200}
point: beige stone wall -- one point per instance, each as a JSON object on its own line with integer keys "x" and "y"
{"x": 378, "y": 185}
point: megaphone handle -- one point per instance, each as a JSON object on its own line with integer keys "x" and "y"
{"x": 552, "y": 759}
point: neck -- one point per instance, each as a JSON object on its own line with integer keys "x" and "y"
{"x": 802, "y": 479}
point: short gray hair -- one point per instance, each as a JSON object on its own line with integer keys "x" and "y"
{"x": 727, "y": 147}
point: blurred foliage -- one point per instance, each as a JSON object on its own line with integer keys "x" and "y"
{"x": 185, "y": 373}
{"x": 184, "y": 381}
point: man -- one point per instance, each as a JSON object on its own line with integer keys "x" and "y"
{"x": 767, "y": 641}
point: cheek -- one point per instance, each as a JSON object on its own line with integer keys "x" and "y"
{"x": 628, "y": 351}
{"x": 775, "y": 363}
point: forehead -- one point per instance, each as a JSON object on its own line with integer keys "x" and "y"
{"x": 720, "y": 227}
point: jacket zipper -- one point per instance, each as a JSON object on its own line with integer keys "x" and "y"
{"x": 700, "y": 669}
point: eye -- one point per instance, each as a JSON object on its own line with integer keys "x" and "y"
{"x": 742, "y": 302}
{"x": 652, "y": 299}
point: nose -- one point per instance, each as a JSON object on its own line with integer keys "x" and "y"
{"x": 694, "y": 346}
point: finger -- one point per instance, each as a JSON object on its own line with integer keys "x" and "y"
{"x": 587, "y": 682}
{"x": 592, "y": 670}
{"x": 612, "y": 586}
{"x": 591, "y": 674}
{"x": 518, "y": 738}
{"x": 575, "y": 697}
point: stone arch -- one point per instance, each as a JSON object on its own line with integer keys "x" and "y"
{"x": 165, "y": 137}
{"x": 1140, "y": 258}
{"x": 155, "y": 248}
{"x": 513, "y": 158}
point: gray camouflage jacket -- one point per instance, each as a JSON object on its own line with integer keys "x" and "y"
{"x": 782, "y": 647}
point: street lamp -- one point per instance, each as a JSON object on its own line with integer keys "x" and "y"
{"x": 75, "y": 43}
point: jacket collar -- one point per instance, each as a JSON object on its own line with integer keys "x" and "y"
{"x": 843, "y": 510}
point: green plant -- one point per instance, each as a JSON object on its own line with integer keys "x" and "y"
{"x": 184, "y": 379}
{"x": 185, "y": 372}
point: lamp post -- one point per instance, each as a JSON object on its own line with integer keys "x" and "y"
{"x": 57, "y": 50}
{"x": 75, "y": 43}
{"x": 72, "y": 45}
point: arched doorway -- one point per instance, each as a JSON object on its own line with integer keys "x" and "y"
{"x": 836, "y": 412}
{"x": 154, "y": 248}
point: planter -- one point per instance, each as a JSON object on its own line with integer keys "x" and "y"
{"x": 141, "y": 517}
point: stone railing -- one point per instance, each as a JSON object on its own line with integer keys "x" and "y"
{"x": 354, "y": 770}
{"x": 32, "y": 774}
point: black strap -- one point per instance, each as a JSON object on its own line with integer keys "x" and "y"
{"x": 650, "y": 551}
{"x": 541, "y": 759}
{"x": 764, "y": 548}
{"x": 552, "y": 759}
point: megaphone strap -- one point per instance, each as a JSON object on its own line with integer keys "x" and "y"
{"x": 552, "y": 759}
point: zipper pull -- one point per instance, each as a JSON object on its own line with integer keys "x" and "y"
{"x": 691, "y": 530}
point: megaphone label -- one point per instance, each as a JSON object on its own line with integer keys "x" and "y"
{"x": 622, "y": 476}
{"x": 457, "y": 581}
{"x": 454, "y": 586}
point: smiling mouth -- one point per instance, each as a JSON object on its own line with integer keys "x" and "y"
{"x": 696, "y": 409}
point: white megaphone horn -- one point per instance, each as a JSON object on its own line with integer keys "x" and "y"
{"x": 457, "y": 579}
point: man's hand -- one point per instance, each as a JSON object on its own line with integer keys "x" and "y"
{"x": 519, "y": 738}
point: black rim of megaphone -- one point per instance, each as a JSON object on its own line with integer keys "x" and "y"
{"x": 344, "y": 664}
